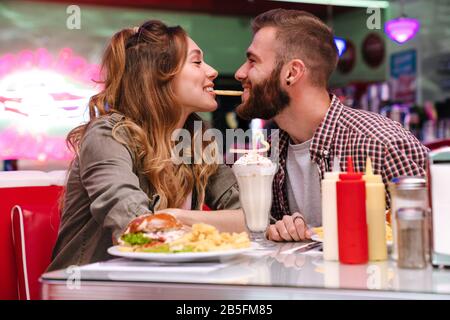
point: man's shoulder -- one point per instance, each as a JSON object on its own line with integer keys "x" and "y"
{"x": 373, "y": 126}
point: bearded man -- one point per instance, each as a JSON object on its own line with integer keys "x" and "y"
{"x": 285, "y": 77}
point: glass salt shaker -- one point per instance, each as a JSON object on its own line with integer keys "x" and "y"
{"x": 408, "y": 192}
{"x": 411, "y": 238}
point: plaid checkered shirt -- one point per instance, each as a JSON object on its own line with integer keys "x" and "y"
{"x": 345, "y": 132}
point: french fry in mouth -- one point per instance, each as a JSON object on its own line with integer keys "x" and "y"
{"x": 228, "y": 93}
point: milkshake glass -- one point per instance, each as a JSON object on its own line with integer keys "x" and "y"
{"x": 254, "y": 174}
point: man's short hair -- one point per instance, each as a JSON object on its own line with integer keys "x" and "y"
{"x": 304, "y": 36}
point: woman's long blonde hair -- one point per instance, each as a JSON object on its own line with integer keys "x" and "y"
{"x": 138, "y": 68}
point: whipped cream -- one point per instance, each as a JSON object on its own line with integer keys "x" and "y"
{"x": 253, "y": 158}
{"x": 251, "y": 164}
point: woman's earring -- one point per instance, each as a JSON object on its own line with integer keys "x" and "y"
{"x": 288, "y": 82}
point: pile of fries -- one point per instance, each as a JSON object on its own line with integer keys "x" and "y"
{"x": 204, "y": 237}
{"x": 319, "y": 232}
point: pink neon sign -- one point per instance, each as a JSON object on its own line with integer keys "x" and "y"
{"x": 42, "y": 97}
{"x": 66, "y": 63}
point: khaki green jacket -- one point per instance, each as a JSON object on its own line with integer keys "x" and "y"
{"x": 104, "y": 192}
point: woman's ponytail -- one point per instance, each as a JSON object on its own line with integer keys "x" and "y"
{"x": 114, "y": 61}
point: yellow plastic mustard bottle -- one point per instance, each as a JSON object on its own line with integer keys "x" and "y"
{"x": 375, "y": 210}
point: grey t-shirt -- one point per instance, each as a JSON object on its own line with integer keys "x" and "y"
{"x": 303, "y": 184}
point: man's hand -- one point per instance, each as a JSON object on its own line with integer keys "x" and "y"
{"x": 290, "y": 228}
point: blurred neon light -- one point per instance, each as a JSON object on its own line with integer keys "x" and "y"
{"x": 402, "y": 29}
{"x": 66, "y": 63}
{"x": 341, "y": 45}
{"x": 41, "y": 99}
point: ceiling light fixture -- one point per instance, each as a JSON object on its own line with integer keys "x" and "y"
{"x": 402, "y": 29}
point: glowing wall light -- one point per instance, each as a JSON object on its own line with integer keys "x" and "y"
{"x": 341, "y": 45}
{"x": 41, "y": 99}
{"x": 402, "y": 29}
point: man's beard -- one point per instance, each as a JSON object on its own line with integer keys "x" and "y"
{"x": 266, "y": 99}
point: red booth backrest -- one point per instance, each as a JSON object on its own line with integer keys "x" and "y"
{"x": 15, "y": 193}
{"x": 35, "y": 229}
{"x": 438, "y": 144}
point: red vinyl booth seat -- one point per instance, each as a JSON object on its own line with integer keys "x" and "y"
{"x": 29, "y": 222}
{"x": 438, "y": 144}
{"x": 34, "y": 229}
{"x": 28, "y": 190}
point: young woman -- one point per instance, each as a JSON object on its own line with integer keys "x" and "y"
{"x": 155, "y": 79}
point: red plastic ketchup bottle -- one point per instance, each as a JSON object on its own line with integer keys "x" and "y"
{"x": 351, "y": 216}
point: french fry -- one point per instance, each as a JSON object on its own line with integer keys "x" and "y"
{"x": 319, "y": 232}
{"x": 228, "y": 93}
{"x": 204, "y": 238}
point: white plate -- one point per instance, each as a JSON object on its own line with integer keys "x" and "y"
{"x": 181, "y": 256}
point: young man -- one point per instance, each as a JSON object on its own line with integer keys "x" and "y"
{"x": 285, "y": 77}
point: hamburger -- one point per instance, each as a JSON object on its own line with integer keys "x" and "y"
{"x": 152, "y": 233}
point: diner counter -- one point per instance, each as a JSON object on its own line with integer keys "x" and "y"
{"x": 270, "y": 274}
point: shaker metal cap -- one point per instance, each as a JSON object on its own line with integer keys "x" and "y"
{"x": 410, "y": 214}
{"x": 409, "y": 183}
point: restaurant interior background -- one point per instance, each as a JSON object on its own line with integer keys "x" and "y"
{"x": 48, "y": 62}
{"x": 47, "y": 65}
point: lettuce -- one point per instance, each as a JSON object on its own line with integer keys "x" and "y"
{"x": 139, "y": 239}
{"x": 185, "y": 249}
{"x": 165, "y": 248}
{"x": 136, "y": 239}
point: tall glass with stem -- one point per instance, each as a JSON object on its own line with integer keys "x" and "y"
{"x": 254, "y": 174}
